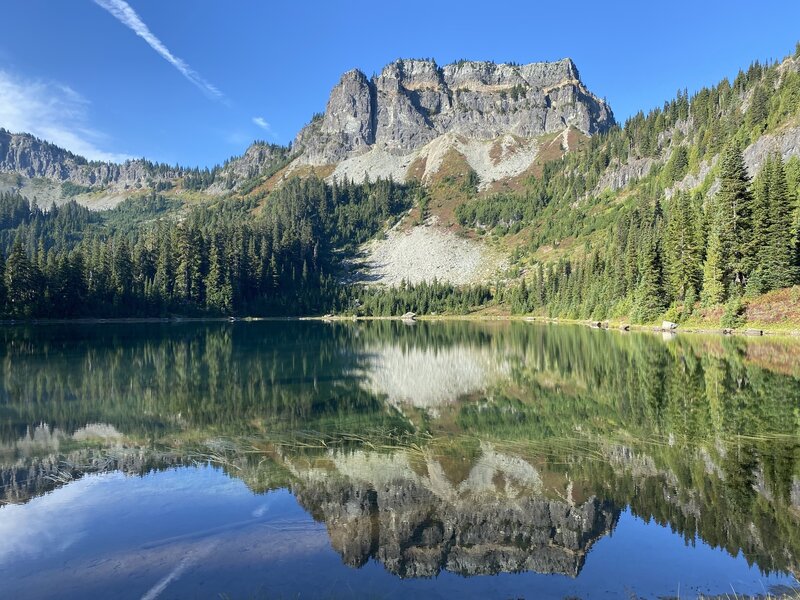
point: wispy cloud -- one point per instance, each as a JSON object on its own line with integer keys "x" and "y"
{"x": 53, "y": 112}
{"x": 261, "y": 122}
{"x": 124, "y": 13}
{"x": 264, "y": 124}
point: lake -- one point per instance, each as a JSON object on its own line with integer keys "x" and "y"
{"x": 389, "y": 460}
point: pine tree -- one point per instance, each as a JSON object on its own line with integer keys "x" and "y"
{"x": 164, "y": 279}
{"x": 122, "y": 269}
{"x": 761, "y": 209}
{"x": 778, "y": 255}
{"x": 20, "y": 281}
{"x": 649, "y": 298}
{"x": 734, "y": 228}
{"x": 715, "y": 278}
{"x": 683, "y": 256}
{"x": 189, "y": 272}
{"x": 219, "y": 294}
{"x": 758, "y": 110}
{"x": 758, "y": 244}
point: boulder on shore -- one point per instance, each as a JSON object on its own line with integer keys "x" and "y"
{"x": 409, "y": 316}
{"x": 668, "y": 325}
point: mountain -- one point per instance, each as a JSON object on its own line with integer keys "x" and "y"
{"x": 508, "y": 187}
{"x": 41, "y": 169}
{"x": 496, "y": 115}
{"x": 30, "y": 157}
{"x": 493, "y": 114}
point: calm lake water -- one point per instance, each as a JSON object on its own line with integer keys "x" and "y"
{"x": 383, "y": 460}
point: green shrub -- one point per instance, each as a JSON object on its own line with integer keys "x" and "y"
{"x": 734, "y": 313}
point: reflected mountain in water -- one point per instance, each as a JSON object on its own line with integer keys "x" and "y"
{"x": 45, "y": 459}
{"x": 426, "y": 378}
{"x": 470, "y": 448}
{"x": 413, "y": 517}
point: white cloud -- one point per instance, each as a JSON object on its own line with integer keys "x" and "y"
{"x": 125, "y": 14}
{"x": 263, "y": 124}
{"x": 53, "y": 112}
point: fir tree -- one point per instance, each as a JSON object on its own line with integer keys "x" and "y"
{"x": 778, "y": 255}
{"x": 683, "y": 257}
{"x": 20, "y": 281}
{"x": 734, "y": 203}
{"x": 649, "y": 300}
{"x": 715, "y": 279}
{"x": 219, "y": 293}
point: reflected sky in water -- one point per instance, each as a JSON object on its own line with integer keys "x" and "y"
{"x": 185, "y": 533}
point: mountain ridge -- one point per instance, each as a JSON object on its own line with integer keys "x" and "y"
{"x": 474, "y": 107}
{"x": 582, "y": 225}
{"x": 414, "y": 101}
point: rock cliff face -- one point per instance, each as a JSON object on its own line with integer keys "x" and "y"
{"x": 491, "y": 113}
{"x": 414, "y": 533}
{"x": 30, "y": 157}
{"x": 412, "y": 102}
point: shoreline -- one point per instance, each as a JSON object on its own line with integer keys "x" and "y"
{"x": 623, "y": 326}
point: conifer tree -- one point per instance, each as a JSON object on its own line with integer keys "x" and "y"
{"x": 20, "y": 281}
{"x": 649, "y": 300}
{"x": 758, "y": 109}
{"x": 189, "y": 273}
{"x": 164, "y": 279}
{"x": 122, "y": 269}
{"x": 715, "y": 280}
{"x": 683, "y": 257}
{"x": 778, "y": 255}
{"x": 761, "y": 209}
{"x": 756, "y": 283}
{"x": 219, "y": 294}
{"x": 734, "y": 228}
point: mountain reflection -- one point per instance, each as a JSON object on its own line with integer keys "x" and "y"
{"x": 422, "y": 377}
{"x": 416, "y": 518}
{"x": 471, "y": 448}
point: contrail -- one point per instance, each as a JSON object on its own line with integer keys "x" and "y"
{"x": 123, "y": 12}
{"x": 187, "y": 561}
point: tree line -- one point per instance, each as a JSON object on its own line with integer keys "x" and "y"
{"x": 230, "y": 257}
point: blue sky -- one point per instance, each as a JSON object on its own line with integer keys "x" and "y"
{"x": 203, "y": 78}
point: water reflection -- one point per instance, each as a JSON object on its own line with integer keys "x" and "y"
{"x": 422, "y": 377}
{"x": 458, "y": 447}
{"x": 418, "y": 515}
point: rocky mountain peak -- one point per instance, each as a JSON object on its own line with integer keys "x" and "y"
{"x": 414, "y": 112}
{"x": 414, "y": 101}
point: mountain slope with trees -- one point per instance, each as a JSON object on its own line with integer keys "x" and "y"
{"x": 688, "y": 212}
{"x": 659, "y": 245}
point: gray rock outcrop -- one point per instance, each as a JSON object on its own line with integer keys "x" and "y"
{"x": 31, "y": 157}
{"x": 412, "y": 102}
